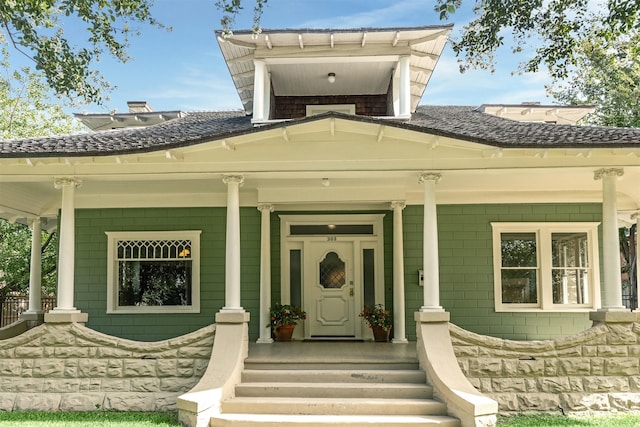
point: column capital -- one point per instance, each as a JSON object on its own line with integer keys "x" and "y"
{"x": 635, "y": 215}
{"x": 430, "y": 176}
{"x": 237, "y": 179}
{"x": 34, "y": 220}
{"x": 59, "y": 183}
{"x": 601, "y": 173}
{"x": 265, "y": 207}
{"x": 397, "y": 204}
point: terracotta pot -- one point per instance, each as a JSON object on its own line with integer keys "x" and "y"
{"x": 284, "y": 332}
{"x": 380, "y": 335}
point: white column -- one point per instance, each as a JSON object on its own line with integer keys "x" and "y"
{"x": 612, "y": 295}
{"x": 66, "y": 251}
{"x": 265, "y": 273}
{"x": 399, "y": 333}
{"x": 35, "y": 269}
{"x": 430, "y": 246}
{"x": 404, "y": 66}
{"x": 232, "y": 260}
{"x": 259, "y": 100}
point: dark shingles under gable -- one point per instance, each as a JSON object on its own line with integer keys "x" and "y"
{"x": 465, "y": 123}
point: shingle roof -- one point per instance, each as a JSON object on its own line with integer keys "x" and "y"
{"x": 464, "y": 123}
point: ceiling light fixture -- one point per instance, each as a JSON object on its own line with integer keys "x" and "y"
{"x": 325, "y": 182}
{"x": 331, "y": 77}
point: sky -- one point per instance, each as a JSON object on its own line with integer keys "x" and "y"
{"x": 184, "y": 69}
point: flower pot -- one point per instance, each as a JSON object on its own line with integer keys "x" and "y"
{"x": 284, "y": 332}
{"x": 380, "y": 335}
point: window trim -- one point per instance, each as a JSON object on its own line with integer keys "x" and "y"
{"x": 543, "y": 232}
{"x": 112, "y": 277}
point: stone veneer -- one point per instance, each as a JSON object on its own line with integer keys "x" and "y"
{"x": 595, "y": 370}
{"x": 73, "y": 368}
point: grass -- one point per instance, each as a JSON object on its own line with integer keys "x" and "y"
{"x": 545, "y": 420}
{"x": 95, "y": 418}
{"x": 161, "y": 419}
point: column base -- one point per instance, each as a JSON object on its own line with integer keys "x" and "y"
{"x": 431, "y": 316}
{"x": 66, "y": 316}
{"x": 399, "y": 341}
{"x": 33, "y": 316}
{"x": 613, "y": 316}
{"x": 425, "y": 309}
{"x": 232, "y": 316}
{"x": 264, "y": 341}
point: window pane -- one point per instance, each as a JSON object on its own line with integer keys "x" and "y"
{"x": 331, "y": 229}
{"x": 519, "y": 286}
{"x": 369, "y": 276}
{"x": 295, "y": 276}
{"x": 519, "y": 250}
{"x": 570, "y": 286}
{"x": 154, "y": 283}
{"x": 570, "y": 249}
{"x": 332, "y": 271}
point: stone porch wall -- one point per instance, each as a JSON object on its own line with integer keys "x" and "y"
{"x": 71, "y": 367}
{"x": 595, "y": 370}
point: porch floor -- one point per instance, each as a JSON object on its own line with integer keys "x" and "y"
{"x": 335, "y": 351}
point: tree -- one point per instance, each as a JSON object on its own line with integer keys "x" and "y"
{"x": 25, "y": 110}
{"x": 553, "y": 28}
{"x": 15, "y": 252}
{"x": 25, "y": 106}
{"x": 607, "y": 75}
{"x": 35, "y": 28}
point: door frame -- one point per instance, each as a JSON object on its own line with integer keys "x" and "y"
{"x": 374, "y": 241}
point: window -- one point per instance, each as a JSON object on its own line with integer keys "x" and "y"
{"x": 153, "y": 272}
{"x": 546, "y": 266}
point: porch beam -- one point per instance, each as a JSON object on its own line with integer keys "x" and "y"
{"x": 232, "y": 256}
{"x": 430, "y": 247}
{"x": 265, "y": 273}
{"x": 399, "y": 333}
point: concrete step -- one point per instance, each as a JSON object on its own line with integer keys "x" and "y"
{"x": 277, "y": 420}
{"x": 323, "y": 365}
{"x": 334, "y": 376}
{"x": 332, "y": 406}
{"x": 337, "y": 390}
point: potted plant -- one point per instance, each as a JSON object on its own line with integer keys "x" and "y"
{"x": 284, "y": 318}
{"x": 379, "y": 320}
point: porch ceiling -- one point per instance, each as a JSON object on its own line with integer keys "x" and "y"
{"x": 363, "y": 60}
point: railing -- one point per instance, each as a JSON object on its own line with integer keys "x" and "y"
{"x": 13, "y": 306}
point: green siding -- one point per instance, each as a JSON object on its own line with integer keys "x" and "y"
{"x": 465, "y": 251}
{"x": 91, "y": 267}
{"x": 466, "y": 268}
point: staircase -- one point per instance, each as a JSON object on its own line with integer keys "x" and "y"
{"x": 346, "y": 393}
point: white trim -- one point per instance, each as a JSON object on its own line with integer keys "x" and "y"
{"x": 112, "y": 278}
{"x": 543, "y": 232}
{"x": 312, "y": 110}
{"x": 372, "y": 241}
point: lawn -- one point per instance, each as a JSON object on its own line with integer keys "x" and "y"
{"x": 96, "y": 418}
{"x": 617, "y": 420}
{"x": 147, "y": 419}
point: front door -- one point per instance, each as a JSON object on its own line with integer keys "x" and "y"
{"x": 329, "y": 290}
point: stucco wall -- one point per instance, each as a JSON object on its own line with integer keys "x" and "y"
{"x": 71, "y": 367}
{"x": 595, "y": 370}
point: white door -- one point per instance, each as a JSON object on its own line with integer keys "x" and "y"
{"x": 329, "y": 290}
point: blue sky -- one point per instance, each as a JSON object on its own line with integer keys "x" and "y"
{"x": 184, "y": 70}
